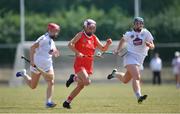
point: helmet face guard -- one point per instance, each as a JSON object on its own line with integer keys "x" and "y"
{"x": 138, "y": 24}
{"x": 138, "y": 19}
{"x": 89, "y": 26}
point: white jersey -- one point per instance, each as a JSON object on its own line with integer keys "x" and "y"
{"x": 176, "y": 65}
{"x": 136, "y": 41}
{"x": 46, "y": 45}
{"x": 42, "y": 56}
{"x": 156, "y": 64}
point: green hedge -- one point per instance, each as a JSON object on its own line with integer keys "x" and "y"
{"x": 165, "y": 26}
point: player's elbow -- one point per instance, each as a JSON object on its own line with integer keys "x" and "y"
{"x": 70, "y": 44}
{"x": 86, "y": 83}
{"x": 104, "y": 48}
{"x": 32, "y": 49}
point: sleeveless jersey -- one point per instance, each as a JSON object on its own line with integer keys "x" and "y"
{"x": 85, "y": 45}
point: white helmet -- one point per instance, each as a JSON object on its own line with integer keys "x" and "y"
{"x": 89, "y": 22}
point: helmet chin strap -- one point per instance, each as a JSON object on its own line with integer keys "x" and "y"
{"x": 88, "y": 34}
{"x": 137, "y": 29}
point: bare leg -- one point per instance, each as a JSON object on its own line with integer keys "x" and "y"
{"x": 33, "y": 80}
{"x": 50, "y": 86}
{"x": 134, "y": 71}
{"x": 75, "y": 92}
{"x": 178, "y": 81}
{"x": 84, "y": 76}
{"x": 154, "y": 78}
{"x": 125, "y": 78}
{"x": 83, "y": 80}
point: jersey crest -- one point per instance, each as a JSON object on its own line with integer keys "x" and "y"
{"x": 137, "y": 41}
{"x": 132, "y": 36}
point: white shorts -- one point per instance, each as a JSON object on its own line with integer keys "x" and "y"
{"x": 176, "y": 71}
{"x": 131, "y": 58}
{"x": 43, "y": 63}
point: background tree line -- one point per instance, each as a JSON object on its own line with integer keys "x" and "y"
{"x": 113, "y": 18}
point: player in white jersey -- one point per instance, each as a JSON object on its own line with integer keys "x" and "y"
{"x": 138, "y": 42}
{"x": 41, "y": 53}
{"x": 176, "y": 68}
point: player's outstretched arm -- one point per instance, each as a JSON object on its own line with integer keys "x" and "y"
{"x": 104, "y": 47}
{"x": 120, "y": 45}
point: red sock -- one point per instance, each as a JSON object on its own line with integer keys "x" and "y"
{"x": 69, "y": 99}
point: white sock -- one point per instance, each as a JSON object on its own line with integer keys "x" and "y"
{"x": 27, "y": 76}
{"x": 114, "y": 74}
{"x": 49, "y": 100}
{"x": 138, "y": 94}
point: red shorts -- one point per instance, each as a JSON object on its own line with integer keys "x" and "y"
{"x": 83, "y": 63}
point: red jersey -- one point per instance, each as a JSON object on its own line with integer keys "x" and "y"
{"x": 85, "y": 45}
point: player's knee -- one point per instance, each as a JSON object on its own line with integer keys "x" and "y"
{"x": 33, "y": 86}
{"x": 125, "y": 81}
{"x": 80, "y": 86}
{"x": 86, "y": 83}
{"x": 51, "y": 83}
{"x": 50, "y": 77}
{"x": 137, "y": 78}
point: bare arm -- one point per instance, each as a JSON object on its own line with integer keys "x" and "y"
{"x": 104, "y": 47}
{"x": 120, "y": 45}
{"x": 150, "y": 45}
{"x": 72, "y": 43}
{"x": 32, "y": 51}
{"x": 55, "y": 52}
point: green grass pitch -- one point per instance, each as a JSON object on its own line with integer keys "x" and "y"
{"x": 96, "y": 98}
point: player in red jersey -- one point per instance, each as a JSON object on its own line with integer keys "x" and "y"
{"x": 84, "y": 45}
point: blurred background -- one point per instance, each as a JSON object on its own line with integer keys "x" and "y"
{"x": 25, "y": 20}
